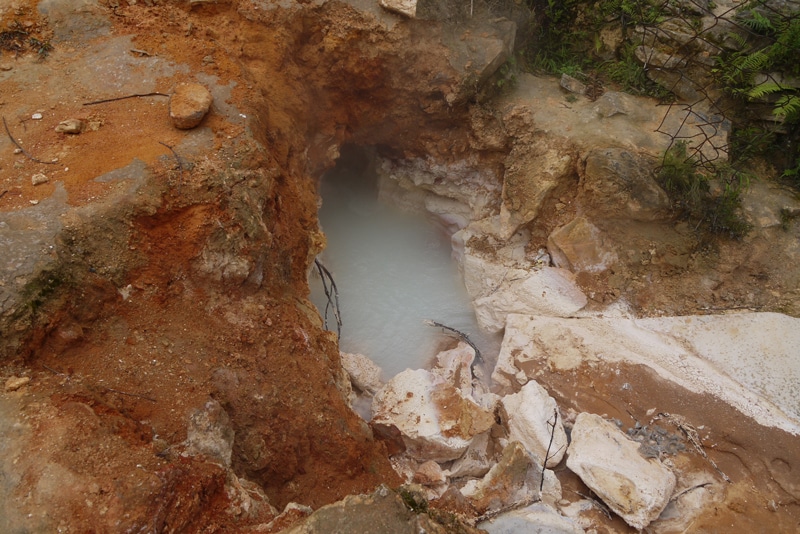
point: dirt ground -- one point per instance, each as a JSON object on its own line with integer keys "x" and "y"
{"x": 149, "y": 329}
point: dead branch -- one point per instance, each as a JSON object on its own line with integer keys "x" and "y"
{"x": 53, "y": 370}
{"x": 138, "y": 95}
{"x": 550, "y": 444}
{"x": 459, "y": 334}
{"x": 3, "y": 193}
{"x": 332, "y": 294}
{"x": 22, "y": 149}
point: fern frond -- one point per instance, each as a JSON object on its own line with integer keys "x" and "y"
{"x": 763, "y": 89}
{"x": 752, "y": 62}
{"x": 787, "y": 106}
{"x": 757, "y": 22}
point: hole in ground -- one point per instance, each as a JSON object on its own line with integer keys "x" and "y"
{"x": 393, "y": 270}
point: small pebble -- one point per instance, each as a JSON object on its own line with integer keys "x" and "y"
{"x": 37, "y": 116}
{"x": 71, "y": 126}
{"x": 16, "y": 382}
{"x": 39, "y": 178}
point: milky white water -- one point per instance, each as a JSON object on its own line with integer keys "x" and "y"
{"x": 392, "y": 270}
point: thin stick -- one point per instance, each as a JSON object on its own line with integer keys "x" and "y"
{"x": 122, "y": 98}
{"x": 547, "y": 453}
{"x": 22, "y": 149}
{"x": 3, "y": 193}
{"x": 687, "y": 490}
{"x": 333, "y": 297}
{"x": 53, "y": 370}
{"x": 180, "y": 165}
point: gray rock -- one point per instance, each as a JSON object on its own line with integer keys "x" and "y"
{"x": 210, "y": 433}
{"x": 620, "y": 184}
{"x": 573, "y": 85}
{"x": 610, "y": 465}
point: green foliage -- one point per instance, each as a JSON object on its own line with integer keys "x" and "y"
{"x": 689, "y": 187}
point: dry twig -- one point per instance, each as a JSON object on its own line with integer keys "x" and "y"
{"x": 22, "y": 149}
{"x": 332, "y": 294}
{"x": 139, "y": 95}
{"x": 180, "y": 164}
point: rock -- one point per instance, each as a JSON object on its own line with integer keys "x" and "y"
{"x": 71, "y": 126}
{"x": 514, "y": 480}
{"x": 6, "y": 66}
{"x": 547, "y": 291}
{"x": 620, "y": 184}
{"x": 391, "y": 437}
{"x": 210, "y": 433}
{"x": 530, "y": 416}
{"x": 364, "y": 373}
{"x": 429, "y": 474}
{"x": 16, "y": 382}
{"x": 406, "y": 8}
{"x": 581, "y": 246}
{"x": 436, "y": 422}
{"x": 709, "y": 354}
{"x": 188, "y": 105}
{"x": 383, "y": 511}
{"x": 476, "y": 461}
{"x": 532, "y": 172}
{"x": 610, "y": 465}
{"x": 537, "y": 518}
{"x": 39, "y": 178}
{"x": 572, "y": 85}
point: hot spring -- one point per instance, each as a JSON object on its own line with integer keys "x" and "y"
{"x": 393, "y": 270}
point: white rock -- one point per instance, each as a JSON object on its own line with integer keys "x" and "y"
{"x": 39, "y": 178}
{"x": 710, "y": 354}
{"x": 16, "y": 382}
{"x": 436, "y": 422}
{"x": 531, "y": 415}
{"x": 609, "y": 463}
{"x": 407, "y": 8}
{"x": 537, "y": 518}
{"x": 364, "y": 373}
{"x": 547, "y": 291}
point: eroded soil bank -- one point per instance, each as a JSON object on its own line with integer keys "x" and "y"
{"x": 136, "y": 300}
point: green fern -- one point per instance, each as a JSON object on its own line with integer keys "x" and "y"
{"x": 757, "y": 22}
{"x": 788, "y": 106}
{"x": 763, "y": 89}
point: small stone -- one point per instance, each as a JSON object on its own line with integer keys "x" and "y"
{"x": 430, "y": 474}
{"x": 6, "y": 66}
{"x": 16, "y": 382}
{"x": 188, "y": 105}
{"x": 39, "y": 178}
{"x": 71, "y": 126}
{"x": 572, "y": 85}
{"x": 37, "y": 116}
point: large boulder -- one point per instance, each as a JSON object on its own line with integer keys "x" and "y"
{"x": 436, "y": 421}
{"x": 533, "y": 420}
{"x": 609, "y": 463}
